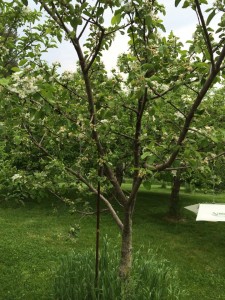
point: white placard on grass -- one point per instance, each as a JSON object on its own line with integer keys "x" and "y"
{"x": 211, "y": 212}
{"x": 193, "y": 208}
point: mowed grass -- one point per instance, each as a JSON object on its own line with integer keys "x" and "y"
{"x": 35, "y": 236}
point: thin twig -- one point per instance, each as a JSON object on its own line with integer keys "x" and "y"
{"x": 206, "y": 34}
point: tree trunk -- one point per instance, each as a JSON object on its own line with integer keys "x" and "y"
{"x": 119, "y": 170}
{"x": 126, "y": 247}
{"x": 163, "y": 184}
{"x": 174, "y": 204}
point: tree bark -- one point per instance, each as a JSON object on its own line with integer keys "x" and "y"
{"x": 119, "y": 170}
{"x": 174, "y": 204}
{"x": 126, "y": 247}
{"x": 163, "y": 184}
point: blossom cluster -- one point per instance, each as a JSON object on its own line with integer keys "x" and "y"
{"x": 26, "y": 10}
{"x": 186, "y": 98}
{"x": 24, "y": 85}
{"x": 67, "y": 75}
{"x": 179, "y": 115}
{"x": 4, "y": 51}
{"x": 16, "y": 176}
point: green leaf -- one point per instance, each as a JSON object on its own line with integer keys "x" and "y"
{"x": 22, "y": 62}
{"x": 15, "y": 69}
{"x": 39, "y": 115}
{"x": 25, "y": 2}
{"x": 31, "y": 54}
{"x": 202, "y": 65}
{"x": 162, "y": 27}
{"x": 75, "y": 22}
{"x": 47, "y": 93}
{"x": 59, "y": 36}
{"x": 4, "y": 81}
{"x": 210, "y": 17}
{"x": 100, "y": 11}
{"x": 48, "y": 30}
{"x": 147, "y": 67}
{"x": 214, "y": 139}
{"x": 116, "y": 19}
{"x": 147, "y": 185}
{"x": 177, "y": 2}
{"x": 200, "y": 112}
{"x": 148, "y": 21}
{"x": 146, "y": 154}
{"x": 186, "y": 4}
{"x": 161, "y": 49}
{"x": 17, "y": 139}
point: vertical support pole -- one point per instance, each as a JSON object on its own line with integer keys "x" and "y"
{"x": 97, "y": 227}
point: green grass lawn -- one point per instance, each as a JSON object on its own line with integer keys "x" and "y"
{"x": 34, "y": 236}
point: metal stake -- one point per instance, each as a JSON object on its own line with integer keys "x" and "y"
{"x": 97, "y": 228}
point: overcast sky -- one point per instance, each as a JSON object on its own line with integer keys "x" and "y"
{"x": 181, "y": 21}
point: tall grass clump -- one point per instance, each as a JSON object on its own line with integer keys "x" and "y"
{"x": 151, "y": 278}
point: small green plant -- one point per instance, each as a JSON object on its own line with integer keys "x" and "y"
{"x": 150, "y": 279}
{"x": 74, "y": 231}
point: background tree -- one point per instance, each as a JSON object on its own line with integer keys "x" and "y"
{"x": 202, "y": 170}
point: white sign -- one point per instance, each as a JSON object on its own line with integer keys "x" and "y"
{"x": 193, "y": 208}
{"x": 211, "y": 212}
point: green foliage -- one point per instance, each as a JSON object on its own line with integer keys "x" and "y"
{"x": 146, "y": 116}
{"x": 188, "y": 188}
{"x": 151, "y": 278}
{"x": 50, "y": 108}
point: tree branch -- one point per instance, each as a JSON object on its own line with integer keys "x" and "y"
{"x": 78, "y": 176}
{"x": 123, "y": 135}
{"x": 87, "y": 21}
{"x": 206, "y": 34}
{"x": 191, "y": 88}
{"x": 97, "y": 50}
{"x": 214, "y": 72}
{"x": 57, "y": 109}
{"x": 137, "y": 179}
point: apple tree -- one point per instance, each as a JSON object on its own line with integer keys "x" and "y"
{"x": 137, "y": 117}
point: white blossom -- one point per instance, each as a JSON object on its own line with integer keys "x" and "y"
{"x": 104, "y": 121}
{"x": 206, "y": 160}
{"x": 179, "y": 115}
{"x": 80, "y": 135}
{"x": 39, "y": 77}
{"x": 62, "y": 129}
{"x": 186, "y": 98}
{"x": 164, "y": 87}
{"x": 23, "y": 85}
{"x": 4, "y": 51}
{"x": 128, "y": 7}
{"x": 26, "y": 10}
{"x": 67, "y": 75}
{"x": 208, "y": 128}
{"x": 174, "y": 172}
{"x": 56, "y": 64}
{"x": 16, "y": 176}
{"x": 115, "y": 118}
{"x": 27, "y": 115}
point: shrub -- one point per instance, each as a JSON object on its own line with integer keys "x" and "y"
{"x": 151, "y": 278}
